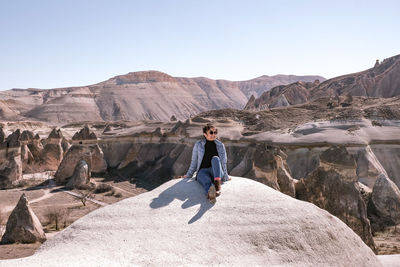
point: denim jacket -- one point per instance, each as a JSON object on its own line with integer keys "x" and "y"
{"x": 197, "y": 157}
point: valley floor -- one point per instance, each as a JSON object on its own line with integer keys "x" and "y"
{"x": 45, "y": 197}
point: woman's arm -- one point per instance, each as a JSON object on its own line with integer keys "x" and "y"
{"x": 225, "y": 160}
{"x": 193, "y": 164}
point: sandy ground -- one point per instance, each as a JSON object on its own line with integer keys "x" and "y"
{"x": 47, "y": 197}
{"x": 388, "y": 242}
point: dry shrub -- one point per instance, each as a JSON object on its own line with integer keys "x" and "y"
{"x": 111, "y": 193}
{"x": 90, "y": 187}
{"x": 57, "y": 216}
{"x": 102, "y": 188}
{"x": 85, "y": 195}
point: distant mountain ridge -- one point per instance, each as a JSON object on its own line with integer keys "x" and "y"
{"x": 382, "y": 80}
{"x": 150, "y": 95}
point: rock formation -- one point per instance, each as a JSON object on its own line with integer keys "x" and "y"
{"x": 85, "y": 148}
{"x": 333, "y": 187}
{"x": 35, "y": 146}
{"x": 65, "y": 145}
{"x": 23, "y": 226}
{"x": 285, "y": 180}
{"x": 26, "y": 154}
{"x": 52, "y": 153}
{"x": 80, "y": 177}
{"x": 384, "y": 205}
{"x": 2, "y": 135}
{"x": 272, "y": 230}
{"x": 10, "y": 160}
{"x": 107, "y": 129}
{"x": 70, "y": 160}
{"x": 282, "y": 96}
{"x": 84, "y": 134}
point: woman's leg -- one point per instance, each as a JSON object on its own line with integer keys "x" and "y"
{"x": 204, "y": 177}
{"x": 217, "y": 173}
{"x": 216, "y": 167}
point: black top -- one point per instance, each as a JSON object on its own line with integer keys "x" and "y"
{"x": 210, "y": 151}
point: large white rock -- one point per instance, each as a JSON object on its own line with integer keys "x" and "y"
{"x": 251, "y": 224}
{"x": 390, "y": 260}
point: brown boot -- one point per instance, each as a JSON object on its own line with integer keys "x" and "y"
{"x": 212, "y": 194}
{"x": 217, "y": 184}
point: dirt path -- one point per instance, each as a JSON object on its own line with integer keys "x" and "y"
{"x": 125, "y": 191}
{"x": 46, "y": 192}
{"x": 46, "y": 195}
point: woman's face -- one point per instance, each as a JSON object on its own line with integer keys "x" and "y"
{"x": 211, "y": 134}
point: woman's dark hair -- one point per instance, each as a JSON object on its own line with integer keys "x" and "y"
{"x": 207, "y": 127}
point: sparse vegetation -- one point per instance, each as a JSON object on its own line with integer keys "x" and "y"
{"x": 57, "y": 216}
{"x": 111, "y": 192}
{"x": 102, "y": 188}
{"x": 376, "y": 123}
{"x": 85, "y": 195}
{"x": 114, "y": 193}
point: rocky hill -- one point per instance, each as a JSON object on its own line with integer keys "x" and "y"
{"x": 142, "y": 95}
{"x": 261, "y": 84}
{"x": 383, "y": 80}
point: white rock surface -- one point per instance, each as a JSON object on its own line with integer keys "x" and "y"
{"x": 390, "y": 260}
{"x": 250, "y": 225}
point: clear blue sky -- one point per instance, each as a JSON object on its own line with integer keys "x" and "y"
{"x": 55, "y": 43}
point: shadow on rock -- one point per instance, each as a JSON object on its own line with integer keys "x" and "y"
{"x": 188, "y": 191}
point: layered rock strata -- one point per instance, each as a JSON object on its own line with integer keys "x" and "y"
{"x": 149, "y": 95}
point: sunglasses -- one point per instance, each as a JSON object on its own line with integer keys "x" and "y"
{"x": 213, "y": 132}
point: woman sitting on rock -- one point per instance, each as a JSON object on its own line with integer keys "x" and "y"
{"x": 209, "y": 161}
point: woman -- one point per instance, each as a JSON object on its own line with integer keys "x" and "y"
{"x": 209, "y": 162}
